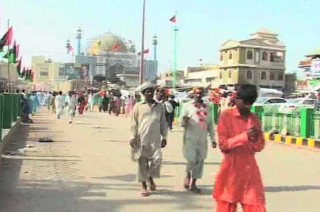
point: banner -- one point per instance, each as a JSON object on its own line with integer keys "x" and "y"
{"x": 315, "y": 67}
{"x": 77, "y": 71}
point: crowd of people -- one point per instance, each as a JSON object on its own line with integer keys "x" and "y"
{"x": 238, "y": 134}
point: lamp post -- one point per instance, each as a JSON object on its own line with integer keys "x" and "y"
{"x": 141, "y": 75}
{"x": 79, "y": 37}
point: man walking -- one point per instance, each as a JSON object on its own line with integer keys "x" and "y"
{"x": 240, "y": 137}
{"x": 71, "y": 103}
{"x": 197, "y": 124}
{"x": 59, "y": 104}
{"x": 149, "y": 135}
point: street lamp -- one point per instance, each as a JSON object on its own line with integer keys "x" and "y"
{"x": 141, "y": 77}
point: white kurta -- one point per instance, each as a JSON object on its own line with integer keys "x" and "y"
{"x": 148, "y": 127}
{"x": 195, "y": 142}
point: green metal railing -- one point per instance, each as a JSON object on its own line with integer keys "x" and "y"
{"x": 301, "y": 121}
{"x": 10, "y": 110}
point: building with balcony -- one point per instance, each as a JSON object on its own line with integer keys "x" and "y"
{"x": 311, "y": 71}
{"x": 259, "y": 60}
{"x": 204, "y": 75}
{"x": 46, "y": 73}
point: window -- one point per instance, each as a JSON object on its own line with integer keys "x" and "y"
{"x": 264, "y": 56}
{"x": 276, "y": 56}
{"x": 249, "y": 74}
{"x": 44, "y": 73}
{"x": 249, "y": 55}
{"x": 230, "y": 54}
{"x": 271, "y": 76}
{"x": 263, "y": 75}
{"x": 230, "y": 74}
{"x": 209, "y": 79}
{"x": 220, "y": 75}
{"x": 61, "y": 71}
{"x": 280, "y": 76}
{"x": 221, "y": 56}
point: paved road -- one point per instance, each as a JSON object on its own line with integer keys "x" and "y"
{"x": 88, "y": 169}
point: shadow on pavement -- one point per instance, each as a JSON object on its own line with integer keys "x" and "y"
{"x": 291, "y": 188}
{"x": 185, "y": 163}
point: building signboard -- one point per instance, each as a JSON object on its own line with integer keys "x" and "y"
{"x": 315, "y": 67}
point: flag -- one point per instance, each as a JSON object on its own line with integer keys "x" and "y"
{"x": 70, "y": 50}
{"x": 173, "y": 19}
{"x": 23, "y": 73}
{"x": 146, "y": 51}
{"x": 10, "y": 55}
{"x": 6, "y": 39}
{"x": 19, "y": 67}
{"x": 17, "y": 49}
{"x": 116, "y": 48}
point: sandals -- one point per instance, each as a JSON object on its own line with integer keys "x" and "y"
{"x": 145, "y": 192}
{"x": 195, "y": 190}
{"x": 186, "y": 183}
{"x": 153, "y": 187}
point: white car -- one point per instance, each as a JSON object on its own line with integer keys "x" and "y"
{"x": 293, "y": 104}
{"x": 261, "y": 101}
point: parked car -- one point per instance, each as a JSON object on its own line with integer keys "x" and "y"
{"x": 293, "y": 104}
{"x": 269, "y": 100}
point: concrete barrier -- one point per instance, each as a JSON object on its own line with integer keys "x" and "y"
{"x": 293, "y": 141}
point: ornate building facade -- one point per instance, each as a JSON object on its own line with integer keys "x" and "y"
{"x": 259, "y": 60}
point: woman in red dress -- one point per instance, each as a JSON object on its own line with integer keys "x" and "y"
{"x": 239, "y": 138}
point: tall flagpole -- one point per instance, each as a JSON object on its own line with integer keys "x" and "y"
{"x": 175, "y": 58}
{"x": 141, "y": 75}
{"x": 8, "y": 65}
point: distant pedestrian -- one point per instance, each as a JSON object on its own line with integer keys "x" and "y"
{"x": 149, "y": 135}
{"x": 71, "y": 103}
{"x": 240, "y": 137}
{"x": 59, "y": 104}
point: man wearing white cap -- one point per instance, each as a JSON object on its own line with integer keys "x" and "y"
{"x": 149, "y": 135}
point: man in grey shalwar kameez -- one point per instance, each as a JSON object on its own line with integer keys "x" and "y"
{"x": 149, "y": 134}
{"x": 195, "y": 119}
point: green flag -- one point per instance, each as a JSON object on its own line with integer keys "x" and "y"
{"x": 11, "y": 55}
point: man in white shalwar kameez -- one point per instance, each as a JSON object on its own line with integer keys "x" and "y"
{"x": 149, "y": 135}
{"x": 198, "y": 125}
{"x": 59, "y": 103}
{"x": 71, "y": 103}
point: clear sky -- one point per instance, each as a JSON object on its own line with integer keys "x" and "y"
{"x": 42, "y": 27}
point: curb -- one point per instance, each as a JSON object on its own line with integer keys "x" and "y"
{"x": 292, "y": 140}
{"x": 6, "y": 136}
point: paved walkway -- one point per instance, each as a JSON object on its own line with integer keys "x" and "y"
{"x": 88, "y": 169}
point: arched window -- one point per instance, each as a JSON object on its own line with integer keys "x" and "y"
{"x": 249, "y": 55}
{"x": 230, "y": 54}
{"x": 280, "y": 77}
{"x": 221, "y": 56}
{"x": 220, "y": 75}
{"x": 271, "y": 76}
{"x": 263, "y": 75}
{"x": 249, "y": 74}
{"x": 230, "y": 74}
{"x": 265, "y": 56}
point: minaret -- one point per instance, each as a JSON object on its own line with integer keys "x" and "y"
{"x": 79, "y": 37}
{"x": 155, "y": 43}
